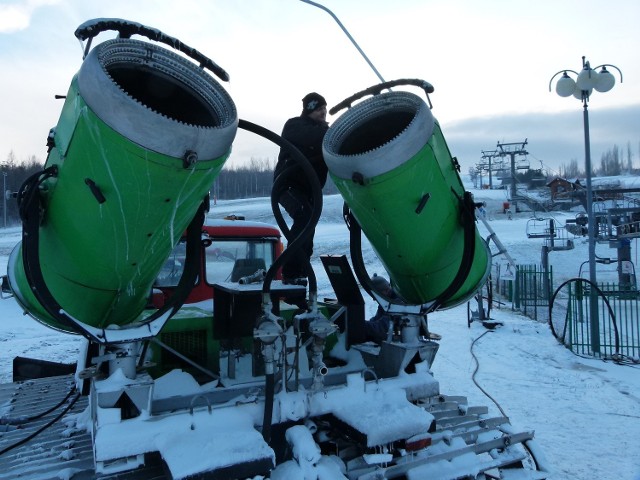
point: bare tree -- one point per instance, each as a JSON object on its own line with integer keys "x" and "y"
{"x": 15, "y": 173}
{"x": 570, "y": 171}
{"x": 610, "y": 162}
{"x": 473, "y": 175}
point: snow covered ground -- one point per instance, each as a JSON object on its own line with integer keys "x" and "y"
{"x": 585, "y": 412}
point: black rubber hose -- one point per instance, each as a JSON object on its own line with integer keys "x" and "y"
{"x": 35, "y": 277}
{"x": 41, "y": 429}
{"x": 376, "y": 89}
{"x": 467, "y": 220}
{"x": 308, "y": 231}
{"x": 126, "y": 29}
{"x": 269, "y": 391}
{"x": 293, "y": 244}
{"x": 316, "y": 202}
{"x": 30, "y": 206}
{"x": 316, "y": 199}
{"x": 24, "y": 420}
{"x": 193, "y": 260}
{"x": 601, "y": 294}
{"x": 277, "y": 189}
{"x": 355, "y": 250}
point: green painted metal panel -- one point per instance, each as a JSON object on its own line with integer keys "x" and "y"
{"x": 137, "y": 147}
{"x": 421, "y": 249}
{"x": 100, "y": 259}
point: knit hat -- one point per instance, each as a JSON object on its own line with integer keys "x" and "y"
{"x": 311, "y": 102}
{"x": 380, "y": 283}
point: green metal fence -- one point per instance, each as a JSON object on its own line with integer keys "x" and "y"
{"x": 626, "y": 306}
{"x": 532, "y": 289}
{"x": 612, "y": 327}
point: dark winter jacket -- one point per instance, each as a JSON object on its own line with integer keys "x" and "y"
{"x": 305, "y": 134}
{"x": 377, "y": 327}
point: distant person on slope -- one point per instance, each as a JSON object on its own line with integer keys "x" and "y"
{"x": 306, "y": 133}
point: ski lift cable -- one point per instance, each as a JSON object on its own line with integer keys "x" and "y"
{"x": 346, "y": 32}
{"x": 542, "y": 163}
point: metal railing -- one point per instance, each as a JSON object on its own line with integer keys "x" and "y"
{"x": 532, "y": 289}
{"x": 617, "y": 328}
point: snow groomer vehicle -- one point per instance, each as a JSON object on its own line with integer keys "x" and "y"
{"x": 199, "y": 362}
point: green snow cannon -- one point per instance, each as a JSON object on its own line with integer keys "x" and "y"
{"x": 389, "y": 160}
{"x": 142, "y": 135}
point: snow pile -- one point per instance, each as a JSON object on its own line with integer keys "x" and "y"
{"x": 585, "y": 412}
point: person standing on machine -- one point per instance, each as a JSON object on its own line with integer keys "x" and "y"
{"x": 306, "y": 133}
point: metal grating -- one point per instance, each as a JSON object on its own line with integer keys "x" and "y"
{"x": 192, "y": 344}
{"x": 61, "y": 450}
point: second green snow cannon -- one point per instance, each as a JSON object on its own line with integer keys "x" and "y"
{"x": 389, "y": 160}
{"x": 142, "y": 135}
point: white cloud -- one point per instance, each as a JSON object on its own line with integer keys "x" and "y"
{"x": 16, "y": 16}
{"x": 490, "y": 64}
{"x": 13, "y": 18}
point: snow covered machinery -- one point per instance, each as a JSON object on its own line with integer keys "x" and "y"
{"x": 291, "y": 393}
{"x": 391, "y": 163}
{"x": 142, "y": 135}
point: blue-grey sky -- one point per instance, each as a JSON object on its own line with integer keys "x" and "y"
{"x": 490, "y": 63}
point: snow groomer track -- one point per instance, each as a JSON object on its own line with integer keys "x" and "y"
{"x": 463, "y": 442}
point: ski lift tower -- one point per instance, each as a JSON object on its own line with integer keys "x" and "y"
{"x": 488, "y": 156}
{"x": 511, "y": 150}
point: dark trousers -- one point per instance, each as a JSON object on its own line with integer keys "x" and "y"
{"x": 298, "y": 206}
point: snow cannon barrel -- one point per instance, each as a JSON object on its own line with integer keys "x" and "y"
{"x": 142, "y": 135}
{"x": 389, "y": 160}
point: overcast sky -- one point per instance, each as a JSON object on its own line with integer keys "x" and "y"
{"x": 490, "y": 63}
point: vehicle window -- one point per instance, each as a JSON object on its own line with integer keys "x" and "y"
{"x": 229, "y": 260}
{"x": 225, "y": 261}
{"x": 171, "y": 271}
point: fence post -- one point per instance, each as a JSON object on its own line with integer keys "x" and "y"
{"x": 516, "y": 295}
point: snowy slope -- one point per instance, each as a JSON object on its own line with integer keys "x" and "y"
{"x": 586, "y": 413}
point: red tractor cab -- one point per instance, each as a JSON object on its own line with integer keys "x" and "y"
{"x": 232, "y": 248}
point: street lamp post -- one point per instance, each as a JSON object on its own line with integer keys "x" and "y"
{"x": 4, "y": 197}
{"x": 581, "y": 88}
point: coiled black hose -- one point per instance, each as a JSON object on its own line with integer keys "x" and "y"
{"x": 293, "y": 245}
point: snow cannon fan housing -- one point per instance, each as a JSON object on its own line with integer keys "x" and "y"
{"x": 142, "y": 135}
{"x": 389, "y": 160}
